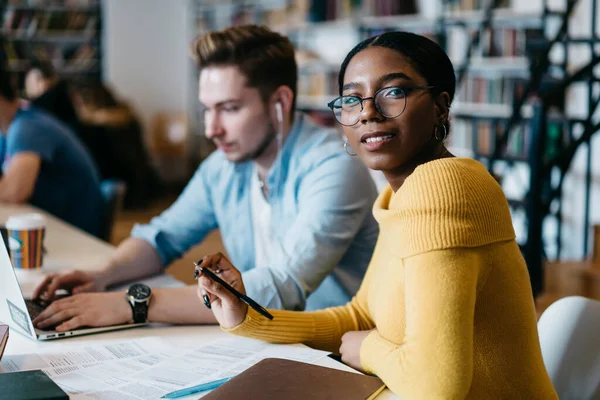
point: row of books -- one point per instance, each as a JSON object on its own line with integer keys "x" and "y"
{"x": 79, "y": 57}
{"x": 490, "y": 90}
{"x": 317, "y": 82}
{"x": 27, "y": 24}
{"x": 496, "y": 42}
{"x": 327, "y": 10}
{"x": 481, "y": 135}
{"x": 461, "y": 5}
{"x": 53, "y": 3}
{"x": 298, "y": 12}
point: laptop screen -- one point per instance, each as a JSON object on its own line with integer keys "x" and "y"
{"x": 13, "y": 310}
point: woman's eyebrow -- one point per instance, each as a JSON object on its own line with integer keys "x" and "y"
{"x": 393, "y": 76}
{"x": 380, "y": 81}
{"x": 350, "y": 85}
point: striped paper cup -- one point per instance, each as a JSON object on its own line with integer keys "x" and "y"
{"x": 26, "y": 240}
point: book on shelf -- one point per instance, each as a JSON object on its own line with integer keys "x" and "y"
{"x": 29, "y": 24}
{"x": 496, "y": 90}
{"x": 300, "y": 11}
{"x": 481, "y": 135}
{"x": 296, "y": 14}
{"x": 54, "y": 3}
{"x": 461, "y": 5}
{"x": 17, "y": 55}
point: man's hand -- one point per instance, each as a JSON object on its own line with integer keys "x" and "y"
{"x": 350, "y": 348}
{"x": 71, "y": 281}
{"x": 86, "y": 309}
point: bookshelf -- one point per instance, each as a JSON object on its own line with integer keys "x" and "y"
{"x": 65, "y": 32}
{"x": 503, "y": 114}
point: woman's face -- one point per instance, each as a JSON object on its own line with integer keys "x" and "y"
{"x": 389, "y": 143}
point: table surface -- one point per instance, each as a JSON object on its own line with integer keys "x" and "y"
{"x": 67, "y": 248}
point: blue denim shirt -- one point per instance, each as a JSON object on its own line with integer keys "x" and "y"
{"x": 321, "y": 220}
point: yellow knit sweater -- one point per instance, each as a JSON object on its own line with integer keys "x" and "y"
{"x": 447, "y": 292}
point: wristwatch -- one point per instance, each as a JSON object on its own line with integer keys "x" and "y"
{"x": 139, "y": 296}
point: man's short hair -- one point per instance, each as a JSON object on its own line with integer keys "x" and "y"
{"x": 7, "y": 89}
{"x": 265, "y": 57}
{"x": 45, "y": 68}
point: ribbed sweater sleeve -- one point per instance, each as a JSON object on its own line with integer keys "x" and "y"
{"x": 318, "y": 329}
{"x": 435, "y": 360}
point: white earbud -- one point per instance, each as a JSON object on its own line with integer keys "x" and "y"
{"x": 279, "y": 110}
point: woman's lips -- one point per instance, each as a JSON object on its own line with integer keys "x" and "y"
{"x": 376, "y": 141}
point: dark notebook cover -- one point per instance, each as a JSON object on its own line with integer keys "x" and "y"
{"x": 3, "y": 338}
{"x": 29, "y": 385}
{"x": 275, "y": 379}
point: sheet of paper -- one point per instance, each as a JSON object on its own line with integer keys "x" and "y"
{"x": 149, "y": 376}
{"x": 66, "y": 356}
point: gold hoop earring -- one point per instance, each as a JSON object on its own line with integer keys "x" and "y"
{"x": 346, "y": 148}
{"x": 435, "y": 133}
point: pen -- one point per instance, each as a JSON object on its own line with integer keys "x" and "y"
{"x": 257, "y": 307}
{"x": 195, "y": 389}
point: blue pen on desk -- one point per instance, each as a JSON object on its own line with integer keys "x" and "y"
{"x": 195, "y": 389}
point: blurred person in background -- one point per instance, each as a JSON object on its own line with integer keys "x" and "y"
{"x": 46, "y": 91}
{"x": 45, "y": 165}
{"x": 114, "y": 129}
{"x": 109, "y": 129}
{"x": 293, "y": 209}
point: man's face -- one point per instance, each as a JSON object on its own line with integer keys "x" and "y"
{"x": 235, "y": 116}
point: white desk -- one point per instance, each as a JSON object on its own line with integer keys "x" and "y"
{"x": 68, "y": 247}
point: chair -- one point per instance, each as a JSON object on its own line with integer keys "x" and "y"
{"x": 170, "y": 146}
{"x": 114, "y": 195}
{"x": 569, "y": 333}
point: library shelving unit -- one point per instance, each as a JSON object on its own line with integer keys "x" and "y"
{"x": 509, "y": 111}
{"x": 537, "y": 130}
{"x": 66, "y": 33}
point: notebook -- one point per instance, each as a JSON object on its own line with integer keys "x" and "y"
{"x": 3, "y": 338}
{"x": 275, "y": 379}
{"x": 29, "y": 385}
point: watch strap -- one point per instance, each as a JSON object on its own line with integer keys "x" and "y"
{"x": 140, "y": 311}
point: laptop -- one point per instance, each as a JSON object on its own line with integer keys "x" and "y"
{"x": 19, "y": 313}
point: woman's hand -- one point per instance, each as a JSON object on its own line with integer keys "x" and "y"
{"x": 229, "y": 311}
{"x": 350, "y": 348}
{"x": 85, "y": 309}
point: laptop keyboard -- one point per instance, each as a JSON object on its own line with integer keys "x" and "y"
{"x": 35, "y": 307}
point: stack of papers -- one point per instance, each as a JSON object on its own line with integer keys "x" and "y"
{"x": 150, "y": 367}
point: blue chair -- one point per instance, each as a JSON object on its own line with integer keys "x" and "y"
{"x": 114, "y": 195}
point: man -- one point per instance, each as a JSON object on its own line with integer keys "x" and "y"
{"x": 293, "y": 208}
{"x": 43, "y": 164}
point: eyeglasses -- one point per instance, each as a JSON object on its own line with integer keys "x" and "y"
{"x": 389, "y": 101}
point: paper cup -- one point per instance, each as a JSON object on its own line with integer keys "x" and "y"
{"x": 26, "y": 240}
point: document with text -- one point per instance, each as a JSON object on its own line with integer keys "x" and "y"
{"x": 149, "y": 368}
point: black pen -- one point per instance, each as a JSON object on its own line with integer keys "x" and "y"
{"x": 242, "y": 297}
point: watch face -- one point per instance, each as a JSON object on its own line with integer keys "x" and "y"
{"x": 139, "y": 291}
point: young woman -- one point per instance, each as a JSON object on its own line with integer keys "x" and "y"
{"x": 445, "y": 310}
